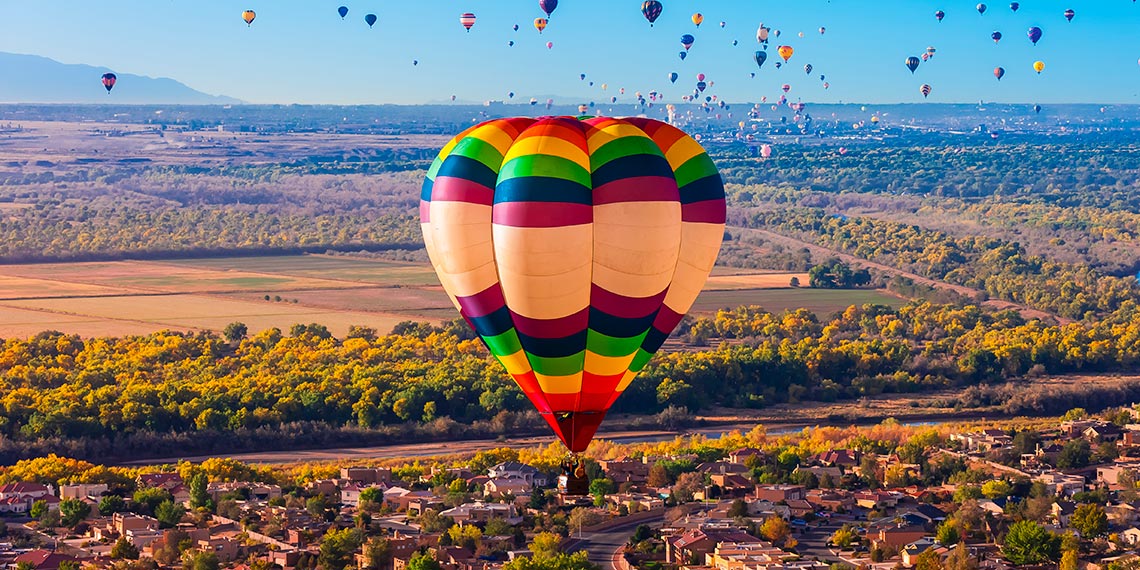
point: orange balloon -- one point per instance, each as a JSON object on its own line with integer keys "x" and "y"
{"x": 785, "y": 52}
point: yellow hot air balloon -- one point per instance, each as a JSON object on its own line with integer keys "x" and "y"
{"x": 540, "y": 24}
{"x": 248, "y": 16}
{"x": 1039, "y": 66}
{"x": 698, "y": 18}
{"x": 785, "y": 52}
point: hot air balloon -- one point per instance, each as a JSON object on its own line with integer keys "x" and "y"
{"x": 786, "y": 88}
{"x": 511, "y": 95}
{"x": 343, "y": 11}
{"x": 939, "y": 14}
{"x": 765, "y": 150}
{"x": 540, "y": 24}
{"x": 698, "y": 18}
{"x": 248, "y": 16}
{"x": 785, "y": 52}
{"x": 1034, "y": 34}
{"x": 415, "y": 62}
{"x": 673, "y": 77}
{"x": 807, "y": 69}
{"x": 925, "y": 89}
{"x": 779, "y": 64}
{"x": 511, "y": 43}
{"x": 582, "y": 109}
{"x": 701, "y": 86}
{"x": 760, "y": 57}
{"x": 734, "y": 42}
{"x": 370, "y": 19}
{"x": 826, "y": 85}
{"x": 981, "y": 8}
{"x": 1069, "y": 14}
{"x": 573, "y": 248}
{"x": 651, "y": 9}
{"x": 515, "y": 27}
{"x": 1037, "y": 109}
{"x": 925, "y": 56}
{"x": 822, "y": 30}
{"x": 582, "y": 77}
{"x": 1014, "y": 6}
{"x": 762, "y": 34}
{"x": 999, "y": 72}
{"x": 684, "y": 54}
{"x": 912, "y": 63}
{"x": 700, "y": 77}
{"x": 549, "y": 45}
{"x": 996, "y": 37}
{"x": 548, "y": 6}
{"x": 687, "y": 41}
{"x": 1039, "y": 66}
{"x": 467, "y": 19}
{"x": 930, "y": 51}
{"x": 109, "y": 80}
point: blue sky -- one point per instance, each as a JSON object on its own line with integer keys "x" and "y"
{"x": 300, "y": 51}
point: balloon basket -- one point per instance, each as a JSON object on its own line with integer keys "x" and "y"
{"x": 573, "y": 480}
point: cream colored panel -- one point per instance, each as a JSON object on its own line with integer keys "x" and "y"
{"x": 544, "y": 272}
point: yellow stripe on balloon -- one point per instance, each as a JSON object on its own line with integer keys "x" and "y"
{"x": 611, "y": 132}
{"x": 495, "y": 136}
{"x": 606, "y": 365}
{"x": 553, "y": 146}
{"x": 516, "y": 363}
{"x": 681, "y": 151}
{"x": 569, "y": 384}
{"x": 625, "y": 381}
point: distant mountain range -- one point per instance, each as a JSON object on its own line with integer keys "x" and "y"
{"x": 35, "y": 79}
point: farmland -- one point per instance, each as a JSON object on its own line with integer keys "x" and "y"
{"x": 138, "y": 297}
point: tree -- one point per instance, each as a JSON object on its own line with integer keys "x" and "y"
{"x": 960, "y": 559}
{"x": 111, "y": 504}
{"x": 794, "y": 282}
{"x": 69, "y": 565}
{"x": 200, "y": 560}
{"x": 738, "y": 509}
{"x": 320, "y": 507}
{"x": 377, "y": 554}
{"x": 199, "y": 492}
{"x": 929, "y": 559}
{"x": 468, "y": 536}
{"x": 39, "y": 509}
{"x": 124, "y": 550}
{"x": 967, "y": 492}
{"x": 1089, "y": 520}
{"x": 844, "y": 536}
{"x": 947, "y": 534}
{"x": 423, "y": 561}
{"x": 148, "y": 499}
{"x": 545, "y": 545}
{"x": 337, "y": 548}
{"x": 996, "y": 489}
{"x": 1068, "y": 560}
{"x": 1030, "y": 543}
{"x": 658, "y": 476}
{"x": 582, "y": 517}
{"x": 775, "y": 530}
{"x": 169, "y": 514}
{"x": 599, "y": 488}
{"x": 430, "y": 521}
{"x": 235, "y": 332}
{"x": 1075, "y": 414}
{"x": 498, "y": 527}
{"x": 73, "y": 511}
{"x": 1075, "y": 454}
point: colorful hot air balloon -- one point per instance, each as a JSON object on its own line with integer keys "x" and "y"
{"x": 515, "y": 27}
{"x": 651, "y": 9}
{"x": 822, "y": 30}
{"x": 540, "y": 24}
{"x": 925, "y": 89}
{"x": 687, "y": 41}
{"x": 549, "y": 45}
{"x": 996, "y": 37}
{"x": 785, "y": 52}
{"x": 467, "y": 19}
{"x": 939, "y": 14}
{"x": 343, "y": 11}
{"x": 698, "y": 18}
{"x": 701, "y": 86}
{"x": 765, "y": 150}
{"x": 248, "y": 16}
{"x": 999, "y": 72}
{"x": 1069, "y": 14}
{"x": 700, "y": 77}
{"x": 1034, "y": 34}
{"x": 912, "y": 63}
{"x": 109, "y": 80}
{"x": 807, "y": 69}
{"x": 548, "y": 6}
{"x": 1014, "y": 6}
{"x": 573, "y": 248}
{"x": 981, "y": 8}
{"x": 760, "y": 57}
{"x": 786, "y": 88}
{"x": 370, "y": 19}
{"x": 1039, "y": 66}
{"x": 673, "y": 77}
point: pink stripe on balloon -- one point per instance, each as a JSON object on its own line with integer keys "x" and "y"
{"x": 637, "y": 189}
{"x": 541, "y": 214}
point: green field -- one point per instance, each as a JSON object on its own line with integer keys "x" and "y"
{"x": 822, "y": 302}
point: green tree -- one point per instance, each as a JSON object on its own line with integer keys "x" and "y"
{"x": 111, "y": 504}
{"x": 1075, "y": 454}
{"x": 1089, "y": 520}
{"x": 199, "y": 492}
{"x": 39, "y": 509}
{"x": 200, "y": 560}
{"x": 337, "y": 548}
{"x": 738, "y": 509}
{"x": 68, "y": 565}
{"x": 423, "y": 561}
{"x": 124, "y": 550}
{"x": 498, "y": 527}
{"x": 599, "y": 488}
{"x": 1075, "y": 414}
{"x": 430, "y": 521}
{"x": 148, "y": 499}
{"x": 377, "y": 554}
{"x": 320, "y": 507}
{"x": 947, "y": 534}
{"x": 169, "y": 514}
{"x": 929, "y": 559}
{"x": 996, "y": 489}
{"x": 235, "y": 332}
{"x": 1030, "y": 543}
{"x": 73, "y": 511}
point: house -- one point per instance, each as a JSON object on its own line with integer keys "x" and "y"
{"x": 27, "y": 491}
{"x": 732, "y": 484}
{"x": 82, "y": 491}
{"x": 897, "y": 536}
{"x": 845, "y": 458}
{"x": 1130, "y": 536}
{"x": 636, "y": 502}
{"x": 350, "y": 493}
{"x": 533, "y": 477}
{"x": 722, "y": 468}
{"x": 1121, "y": 514}
{"x": 876, "y": 500}
{"x": 1103, "y": 432}
{"x": 800, "y": 507}
{"x": 366, "y": 475}
{"x": 499, "y": 486}
{"x": 691, "y": 546}
{"x": 1062, "y": 484}
{"x": 780, "y": 493}
{"x": 625, "y": 470}
{"x": 1061, "y": 511}
{"x": 742, "y": 455}
{"x": 828, "y": 500}
{"x": 227, "y": 549}
{"x": 1110, "y": 474}
{"x": 122, "y": 523}
{"x": 479, "y": 511}
{"x": 44, "y": 559}
{"x": 251, "y": 491}
{"x": 911, "y": 551}
{"x": 983, "y": 441}
{"x": 745, "y": 556}
{"x": 163, "y": 480}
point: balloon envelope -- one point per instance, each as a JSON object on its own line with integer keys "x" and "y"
{"x": 651, "y": 9}
{"x": 109, "y": 80}
{"x": 1034, "y": 34}
{"x": 370, "y": 19}
{"x": 548, "y": 6}
{"x": 248, "y": 16}
{"x": 785, "y": 52}
{"x": 467, "y": 19}
{"x": 573, "y": 248}
{"x": 343, "y": 11}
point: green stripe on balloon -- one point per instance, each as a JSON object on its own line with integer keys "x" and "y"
{"x": 504, "y": 344}
{"x": 545, "y": 165}
{"x": 606, "y": 345}
{"x": 640, "y": 360}
{"x": 696, "y": 168}
{"x": 559, "y": 365}
{"x": 480, "y": 150}
{"x": 625, "y": 146}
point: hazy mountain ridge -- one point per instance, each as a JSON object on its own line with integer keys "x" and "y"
{"x": 43, "y": 80}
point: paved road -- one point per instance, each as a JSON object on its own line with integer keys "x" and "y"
{"x": 603, "y": 546}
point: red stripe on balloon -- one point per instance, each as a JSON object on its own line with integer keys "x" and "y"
{"x": 704, "y": 212}
{"x": 451, "y": 189}
{"x": 529, "y": 384}
{"x": 637, "y": 189}
{"x": 552, "y": 328}
{"x": 624, "y": 307}
{"x": 482, "y": 303}
{"x": 667, "y": 319}
{"x": 540, "y": 214}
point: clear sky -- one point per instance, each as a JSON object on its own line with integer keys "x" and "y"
{"x": 300, "y": 51}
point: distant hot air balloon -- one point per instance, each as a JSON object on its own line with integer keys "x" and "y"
{"x": 109, "y": 80}
{"x": 939, "y": 14}
{"x": 765, "y": 150}
{"x": 996, "y": 37}
{"x": 1069, "y": 14}
{"x": 582, "y": 77}
{"x": 673, "y": 77}
{"x": 822, "y": 30}
{"x": 1014, "y": 6}
{"x": 651, "y": 9}
{"x": 785, "y": 52}
{"x": 548, "y": 6}
{"x": 515, "y": 27}
{"x": 687, "y": 41}
{"x": 999, "y": 72}
{"x": 925, "y": 89}
{"x": 583, "y": 109}
{"x": 701, "y": 85}
{"x": 370, "y": 19}
{"x": 760, "y": 57}
{"x": 1034, "y": 34}
{"x": 912, "y": 63}
{"x": 589, "y": 281}
{"x": 549, "y": 45}
{"x": 1037, "y": 109}
{"x": 415, "y": 62}
{"x": 779, "y": 64}
{"x": 540, "y": 24}
{"x": 698, "y": 18}
{"x": 734, "y": 42}
{"x": 511, "y": 43}
{"x": 762, "y": 34}
{"x": 826, "y": 85}
{"x": 700, "y": 77}
{"x": 343, "y": 11}
{"x": 786, "y": 88}
{"x": 981, "y": 8}
{"x": 467, "y": 19}
{"x": 248, "y": 16}
{"x": 930, "y": 51}
{"x": 807, "y": 69}
{"x": 511, "y": 95}
{"x": 1039, "y": 66}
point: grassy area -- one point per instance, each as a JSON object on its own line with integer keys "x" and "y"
{"x": 820, "y": 301}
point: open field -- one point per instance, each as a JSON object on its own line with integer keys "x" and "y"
{"x": 137, "y": 297}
